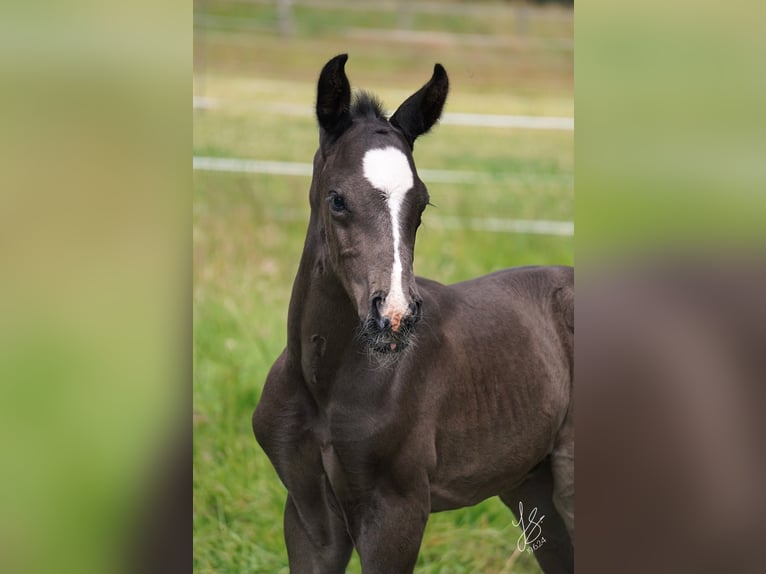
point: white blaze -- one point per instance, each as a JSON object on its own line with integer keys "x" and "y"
{"x": 389, "y": 171}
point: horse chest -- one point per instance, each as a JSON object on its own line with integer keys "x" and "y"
{"x": 358, "y": 422}
{"x": 359, "y": 425}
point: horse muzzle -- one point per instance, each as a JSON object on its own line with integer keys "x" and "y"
{"x": 388, "y": 329}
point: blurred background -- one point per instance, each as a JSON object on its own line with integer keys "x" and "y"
{"x": 499, "y": 169}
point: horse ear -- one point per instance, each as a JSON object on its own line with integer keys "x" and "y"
{"x": 334, "y": 98}
{"x": 422, "y": 109}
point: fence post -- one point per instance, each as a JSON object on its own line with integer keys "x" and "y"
{"x": 285, "y": 16}
{"x": 522, "y": 14}
{"x": 405, "y": 18}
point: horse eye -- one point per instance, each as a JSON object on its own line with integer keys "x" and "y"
{"x": 420, "y": 215}
{"x": 337, "y": 203}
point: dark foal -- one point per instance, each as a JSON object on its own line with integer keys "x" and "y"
{"x": 398, "y": 396}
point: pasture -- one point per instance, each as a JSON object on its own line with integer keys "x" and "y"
{"x": 255, "y": 89}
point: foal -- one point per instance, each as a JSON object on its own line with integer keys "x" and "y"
{"x": 398, "y": 396}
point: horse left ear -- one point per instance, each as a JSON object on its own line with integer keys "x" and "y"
{"x": 422, "y": 109}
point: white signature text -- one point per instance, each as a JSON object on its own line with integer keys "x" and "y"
{"x": 531, "y": 532}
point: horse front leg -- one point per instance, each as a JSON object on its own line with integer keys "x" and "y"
{"x": 388, "y": 529}
{"x": 316, "y": 540}
{"x": 315, "y": 533}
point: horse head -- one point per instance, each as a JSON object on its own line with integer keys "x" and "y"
{"x": 367, "y": 199}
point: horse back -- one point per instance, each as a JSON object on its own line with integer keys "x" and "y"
{"x": 517, "y": 299}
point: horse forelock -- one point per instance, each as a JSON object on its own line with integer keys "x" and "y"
{"x": 367, "y": 105}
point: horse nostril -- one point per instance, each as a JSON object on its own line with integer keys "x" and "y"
{"x": 382, "y": 322}
{"x": 376, "y": 304}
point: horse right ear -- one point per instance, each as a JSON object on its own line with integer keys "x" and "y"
{"x": 333, "y": 99}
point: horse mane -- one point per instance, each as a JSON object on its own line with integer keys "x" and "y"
{"x": 367, "y": 105}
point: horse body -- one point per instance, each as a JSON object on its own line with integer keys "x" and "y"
{"x": 491, "y": 427}
{"x": 371, "y": 434}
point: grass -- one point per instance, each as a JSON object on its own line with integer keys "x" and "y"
{"x": 248, "y": 236}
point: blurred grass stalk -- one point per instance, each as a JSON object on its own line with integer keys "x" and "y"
{"x": 671, "y": 179}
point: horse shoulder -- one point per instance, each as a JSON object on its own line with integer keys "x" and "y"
{"x": 283, "y": 423}
{"x": 282, "y": 416}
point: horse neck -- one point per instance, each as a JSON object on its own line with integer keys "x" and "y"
{"x": 319, "y": 304}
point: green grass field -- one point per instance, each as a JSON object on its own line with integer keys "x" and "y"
{"x": 249, "y": 228}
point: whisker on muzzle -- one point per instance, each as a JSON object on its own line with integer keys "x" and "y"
{"x": 384, "y": 343}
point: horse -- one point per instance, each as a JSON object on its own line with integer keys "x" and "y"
{"x": 397, "y": 396}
